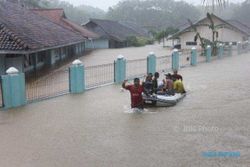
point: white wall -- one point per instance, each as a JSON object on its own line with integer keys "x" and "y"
{"x": 225, "y": 35}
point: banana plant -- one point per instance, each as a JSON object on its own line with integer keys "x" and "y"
{"x": 215, "y": 34}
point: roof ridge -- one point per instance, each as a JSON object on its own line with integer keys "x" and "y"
{"x": 202, "y": 19}
{"x": 74, "y": 26}
{"x": 239, "y": 22}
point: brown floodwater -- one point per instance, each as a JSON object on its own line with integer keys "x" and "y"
{"x": 97, "y": 128}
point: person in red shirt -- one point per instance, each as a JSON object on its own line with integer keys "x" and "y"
{"x": 136, "y": 93}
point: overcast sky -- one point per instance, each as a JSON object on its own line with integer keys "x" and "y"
{"x": 105, "y": 4}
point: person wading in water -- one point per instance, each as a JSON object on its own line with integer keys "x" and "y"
{"x": 135, "y": 90}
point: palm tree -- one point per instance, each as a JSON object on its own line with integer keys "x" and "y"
{"x": 213, "y": 3}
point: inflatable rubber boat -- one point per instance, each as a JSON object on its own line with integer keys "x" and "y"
{"x": 162, "y": 100}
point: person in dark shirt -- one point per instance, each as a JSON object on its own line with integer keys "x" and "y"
{"x": 155, "y": 82}
{"x": 135, "y": 90}
{"x": 177, "y": 76}
{"x": 148, "y": 84}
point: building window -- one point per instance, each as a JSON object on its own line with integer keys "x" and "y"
{"x": 191, "y": 43}
{"x": 233, "y": 43}
{"x": 28, "y": 60}
{"x": 41, "y": 57}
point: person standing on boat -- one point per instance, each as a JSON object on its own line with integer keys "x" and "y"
{"x": 148, "y": 84}
{"x": 155, "y": 82}
{"x": 135, "y": 90}
{"x": 177, "y": 76}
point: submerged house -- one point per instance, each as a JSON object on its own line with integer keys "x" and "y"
{"x": 30, "y": 42}
{"x": 229, "y": 31}
{"x": 113, "y": 34}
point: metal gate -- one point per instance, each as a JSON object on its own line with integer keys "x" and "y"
{"x": 54, "y": 84}
{"x": 99, "y": 75}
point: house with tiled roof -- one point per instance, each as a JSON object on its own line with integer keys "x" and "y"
{"x": 30, "y": 42}
{"x": 58, "y": 16}
{"x": 229, "y": 32}
{"x": 113, "y": 34}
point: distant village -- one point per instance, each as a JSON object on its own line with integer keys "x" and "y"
{"x": 33, "y": 39}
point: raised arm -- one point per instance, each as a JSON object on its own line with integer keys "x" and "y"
{"x": 124, "y": 84}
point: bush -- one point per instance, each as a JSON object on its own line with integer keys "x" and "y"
{"x": 139, "y": 41}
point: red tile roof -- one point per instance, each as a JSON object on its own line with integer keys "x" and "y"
{"x": 58, "y": 16}
{"x": 22, "y": 29}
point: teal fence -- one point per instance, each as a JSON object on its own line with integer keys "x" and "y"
{"x": 57, "y": 83}
{"x": 136, "y": 68}
{"x": 163, "y": 63}
{"x": 185, "y": 59}
{"x": 99, "y": 75}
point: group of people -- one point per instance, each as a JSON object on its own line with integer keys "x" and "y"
{"x": 173, "y": 83}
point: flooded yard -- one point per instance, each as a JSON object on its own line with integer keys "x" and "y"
{"x": 96, "y": 129}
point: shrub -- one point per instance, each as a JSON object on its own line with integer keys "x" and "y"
{"x": 139, "y": 41}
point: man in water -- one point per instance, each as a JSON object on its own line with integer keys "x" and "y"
{"x": 135, "y": 90}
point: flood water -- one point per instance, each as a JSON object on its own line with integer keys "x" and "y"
{"x": 97, "y": 129}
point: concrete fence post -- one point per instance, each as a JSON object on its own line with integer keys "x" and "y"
{"x": 13, "y": 89}
{"x": 76, "y": 77}
{"x": 239, "y": 48}
{"x": 208, "y": 53}
{"x": 120, "y": 69}
{"x": 220, "y": 51}
{"x": 175, "y": 59}
{"x": 230, "y": 49}
{"x": 151, "y": 63}
{"x": 194, "y": 56}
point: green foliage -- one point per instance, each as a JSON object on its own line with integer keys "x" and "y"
{"x": 139, "y": 41}
{"x": 153, "y": 14}
{"x": 214, "y": 28}
{"x": 164, "y": 33}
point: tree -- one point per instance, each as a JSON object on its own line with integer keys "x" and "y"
{"x": 215, "y": 34}
{"x": 213, "y": 3}
{"x": 36, "y": 4}
{"x": 161, "y": 35}
{"x": 153, "y": 14}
